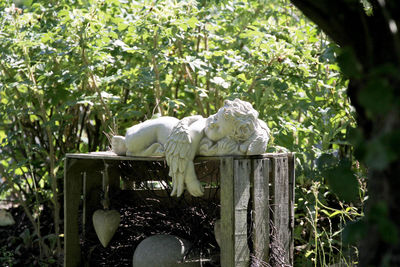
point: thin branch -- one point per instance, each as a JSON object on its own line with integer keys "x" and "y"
{"x": 157, "y": 88}
{"x": 196, "y": 94}
{"x": 97, "y": 90}
{"x": 186, "y": 70}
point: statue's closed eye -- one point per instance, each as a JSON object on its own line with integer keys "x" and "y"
{"x": 213, "y": 124}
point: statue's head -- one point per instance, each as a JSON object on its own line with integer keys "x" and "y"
{"x": 236, "y": 119}
{"x": 237, "y": 126}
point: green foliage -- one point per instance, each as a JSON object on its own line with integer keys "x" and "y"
{"x": 341, "y": 178}
{"x": 6, "y": 257}
{"x": 79, "y": 69}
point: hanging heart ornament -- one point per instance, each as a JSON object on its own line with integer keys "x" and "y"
{"x": 105, "y": 224}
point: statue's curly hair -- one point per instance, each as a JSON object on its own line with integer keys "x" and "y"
{"x": 250, "y": 135}
{"x": 243, "y": 116}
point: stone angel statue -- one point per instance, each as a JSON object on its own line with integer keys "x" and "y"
{"x": 234, "y": 130}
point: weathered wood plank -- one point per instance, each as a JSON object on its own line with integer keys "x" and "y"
{"x": 280, "y": 206}
{"x": 242, "y": 170}
{"x": 112, "y": 156}
{"x": 292, "y": 175}
{"x": 72, "y": 195}
{"x": 109, "y": 155}
{"x": 261, "y": 209}
{"x": 227, "y": 213}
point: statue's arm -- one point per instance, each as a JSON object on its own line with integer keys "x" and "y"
{"x": 191, "y": 119}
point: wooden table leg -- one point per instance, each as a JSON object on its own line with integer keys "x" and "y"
{"x": 79, "y": 173}
{"x": 72, "y": 195}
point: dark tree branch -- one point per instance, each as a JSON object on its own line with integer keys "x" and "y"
{"x": 337, "y": 18}
{"x": 347, "y": 23}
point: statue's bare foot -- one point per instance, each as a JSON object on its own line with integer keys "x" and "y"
{"x": 118, "y": 145}
{"x": 194, "y": 186}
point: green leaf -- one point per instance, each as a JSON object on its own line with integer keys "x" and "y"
{"x": 377, "y": 96}
{"x": 382, "y": 151}
{"x": 308, "y": 253}
{"x": 348, "y": 63}
{"x": 333, "y": 214}
{"x": 354, "y": 232}
{"x": 342, "y": 181}
{"x": 192, "y": 22}
{"x": 220, "y": 81}
{"x": 388, "y": 231}
{"x": 21, "y": 3}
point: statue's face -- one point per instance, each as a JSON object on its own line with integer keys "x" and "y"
{"x": 217, "y": 127}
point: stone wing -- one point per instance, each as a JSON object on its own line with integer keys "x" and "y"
{"x": 177, "y": 153}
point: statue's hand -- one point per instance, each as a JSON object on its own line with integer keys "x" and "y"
{"x": 227, "y": 146}
{"x": 206, "y": 147}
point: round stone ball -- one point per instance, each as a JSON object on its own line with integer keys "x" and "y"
{"x": 162, "y": 251}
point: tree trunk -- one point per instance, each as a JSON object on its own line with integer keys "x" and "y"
{"x": 374, "y": 74}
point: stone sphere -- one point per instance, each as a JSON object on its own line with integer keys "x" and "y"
{"x": 162, "y": 251}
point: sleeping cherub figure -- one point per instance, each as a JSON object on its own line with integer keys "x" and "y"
{"x": 234, "y": 130}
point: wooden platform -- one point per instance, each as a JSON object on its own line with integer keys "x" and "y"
{"x": 261, "y": 186}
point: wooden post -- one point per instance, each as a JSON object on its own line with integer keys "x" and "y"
{"x": 280, "y": 206}
{"x": 261, "y": 209}
{"x": 72, "y": 196}
{"x": 227, "y": 213}
{"x": 235, "y": 196}
{"x": 292, "y": 182}
{"x": 242, "y": 170}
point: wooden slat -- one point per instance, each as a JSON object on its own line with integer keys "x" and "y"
{"x": 72, "y": 194}
{"x": 280, "y": 204}
{"x": 292, "y": 174}
{"x": 112, "y": 156}
{"x": 227, "y": 213}
{"x": 242, "y": 169}
{"x": 261, "y": 209}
